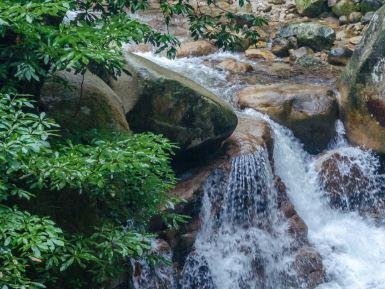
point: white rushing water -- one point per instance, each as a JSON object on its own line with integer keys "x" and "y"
{"x": 243, "y": 242}
{"x": 352, "y": 246}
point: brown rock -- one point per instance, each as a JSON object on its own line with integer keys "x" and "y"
{"x": 257, "y": 53}
{"x": 297, "y": 228}
{"x": 235, "y": 66}
{"x": 196, "y": 48}
{"x": 300, "y": 52}
{"x": 309, "y": 110}
{"x": 308, "y": 264}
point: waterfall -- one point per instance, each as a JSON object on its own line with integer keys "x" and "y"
{"x": 243, "y": 242}
{"x": 352, "y": 247}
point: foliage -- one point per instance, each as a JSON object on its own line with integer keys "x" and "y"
{"x": 128, "y": 177}
{"x": 38, "y": 36}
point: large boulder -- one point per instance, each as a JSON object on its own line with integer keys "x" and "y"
{"x": 311, "y": 8}
{"x": 80, "y": 104}
{"x": 314, "y": 35}
{"x": 180, "y": 109}
{"x": 362, "y": 88}
{"x": 309, "y": 110}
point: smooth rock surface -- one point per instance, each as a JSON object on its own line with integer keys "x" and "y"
{"x": 309, "y": 110}
{"x": 180, "y": 109}
{"x": 79, "y": 105}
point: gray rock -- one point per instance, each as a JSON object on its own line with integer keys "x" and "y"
{"x": 339, "y": 56}
{"x": 308, "y": 61}
{"x": 310, "y": 8}
{"x": 362, "y": 88}
{"x": 367, "y": 17}
{"x": 298, "y": 53}
{"x": 343, "y": 20}
{"x": 370, "y": 5}
{"x": 314, "y": 35}
{"x": 281, "y": 46}
{"x": 178, "y": 108}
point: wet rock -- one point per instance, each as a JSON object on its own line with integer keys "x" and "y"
{"x": 235, "y": 66}
{"x": 367, "y": 17}
{"x": 298, "y": 228}
{"x": 281, "y": 46}
{"x": 250, "y": 134}
{"x": 343, "y": 20}
{"x": 311, "y": 8}
{"x": 362, "y": 88}
{"x": 177, "y": 107}
{"x": 355, "y": 40}
{"x": 370, "y": 5}
{"x": 257, "y": 53}
{"x": 300, "y": 52}
{"x": 344, "y": 7}
{"x": 344, "y": 180}
{"x": 309, "y": 110}
{"x": 79, "y": 104}
{"x": 339, "y": 56}
{"x": 196, "y": 48}
{"x": 314, "y": 35}
{"x": 308, "y": 264}
{"x": 355, "y": 17}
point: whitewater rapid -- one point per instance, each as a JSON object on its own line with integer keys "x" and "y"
{"x": 352, "y": 247}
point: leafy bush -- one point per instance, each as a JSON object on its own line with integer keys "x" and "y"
{"x": 125, "y": 180}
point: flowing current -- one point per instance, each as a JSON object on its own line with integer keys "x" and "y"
{"x": 352, "y": 246}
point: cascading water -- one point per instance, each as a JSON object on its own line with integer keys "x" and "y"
{"x": 243, "y": 242}
{"x": 234, "y": 249}
{"x": 352, "y": 247}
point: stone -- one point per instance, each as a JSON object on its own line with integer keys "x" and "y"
{"x": 314, "y": 35}
{"x": 196, "y": 48}
{"x": 79, "y": 104}
{"x": 370, "y": 5}
{"x": 343, "y": 20}
{"x": 367, "y": 17}
{"x": 125, "y": 86}
{"x": 310, "y": 8}
{"x": 308, "y": 264}
{"x": 355, "y": 17}
{"x": 355, "y": 40}
{"x": 298, "y": 229}
{"x": 281, "y": 46}
{"x": 344, "y": 7}
{"x": 310, "y": 111}
{"x": 339, "y": 56}
{"x": 250, "y": 134}
{"x": 257, "y": 53}
{"x": 267, "y": 8}
{"x": 309, "y": 61}
{"x": 362, "y": 88}
{"x": 234, "y": 66}
{"x": 298, "y": 53}
{"x": 343, "y": 179}
{"x": 175, "y": 106}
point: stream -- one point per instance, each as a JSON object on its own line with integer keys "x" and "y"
{"x": 243, "y": 243}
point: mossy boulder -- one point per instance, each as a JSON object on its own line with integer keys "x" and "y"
{"x": 79, "y": 104}
{"x": 314, "y": 35}
{"x": 362, "y": 88}
{"x": 344, "y": 8}
{"x": 311, "y": 8}
{"x": 177, "y": 107}
{"x": 370, "y": 5}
